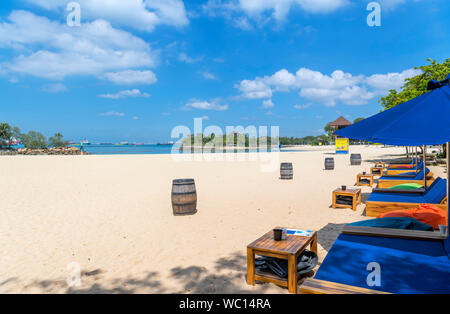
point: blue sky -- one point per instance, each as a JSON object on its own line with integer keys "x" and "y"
{"x": 135, "y": 69}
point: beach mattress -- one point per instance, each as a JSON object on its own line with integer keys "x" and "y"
{"x": 433, "y": 195}
{"x": 404, "y": 176}
{"x": 406, "y": 167}
{"x": 404, "y": 223}
{"x": 406, "y": 266}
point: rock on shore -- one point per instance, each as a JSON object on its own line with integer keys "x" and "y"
{"x": 44, "y": 151}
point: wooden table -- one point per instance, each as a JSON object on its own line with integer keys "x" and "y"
{"x": 355, "y": 193}
{"x": 378, "y": 171}
{"x": 288, "y": 249}
{"x": 362, "y": 176}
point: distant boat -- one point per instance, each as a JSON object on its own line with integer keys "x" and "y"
{"x": 165, "y": 144}
{"x": 124, "y": 143}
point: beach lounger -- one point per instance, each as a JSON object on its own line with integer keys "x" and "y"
{"x": 383, "y": 201}
{"x": 397, "y": 165}
{"x": 387, "y": 181}
{"x": 411, "y": 262}
{"x": 396, "y": 170}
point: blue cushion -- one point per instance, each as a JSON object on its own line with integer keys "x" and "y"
{"x": 447, "y": 246}
{"x": 405, "y": 223}
{"x": 436, "y": 192}
{"x": 407, "y": 266}
{"x": 433, "y": 195}
{"x": 418, "y": 166}
{"x": 418, "y": 176}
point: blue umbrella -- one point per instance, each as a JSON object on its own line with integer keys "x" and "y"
{"x": 424, "y": 120}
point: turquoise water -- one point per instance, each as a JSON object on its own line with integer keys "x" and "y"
{"x": 133, "y": 149}
{"x": 128, "y": 149}
{"x": 96, "y": 149}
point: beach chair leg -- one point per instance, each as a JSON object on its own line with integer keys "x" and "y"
{"x": 314, "y": 244}
{"x": 334, "y": 200}
{"x": 250, "y": 267}
{"x": 292, "y": 274}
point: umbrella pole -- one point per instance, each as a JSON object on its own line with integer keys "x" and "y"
{"x": 425, "y": 166}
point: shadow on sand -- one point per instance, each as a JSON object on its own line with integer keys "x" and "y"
{"x": 228, "y": 276}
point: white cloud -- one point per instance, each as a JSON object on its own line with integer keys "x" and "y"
{"x": 51, "y": 50}
{"x": 208, "y": 76}
{"x": 130, "y": 77}
{"x": 326, "y": 89}
{"x": 206, "y": 118}
{"x": 301, "y": 107}
{"x": 126, "y": 93}
{"x": 135, "y": 118}
{"x": 112, "y": 114}
{"x": 390, "y": 5}
{"x": 186, "y": 59}
{"x": 389, "y": 81}
{"x": 55, "y": 88}
{"x": 240, "y": 11}
{"x": 268, "y": 103}
{"x": 206, "y": 105}
{"x": 255, "y": 89}
{"x": 143, "y": 15}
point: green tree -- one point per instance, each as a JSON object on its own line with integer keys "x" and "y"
{"x": 358, "y": 120}
{"x": 57, "y": 140}
{"x": 6, "y": 134}
{"x": 417, "y": 85}
{"x": 34, "y": 140}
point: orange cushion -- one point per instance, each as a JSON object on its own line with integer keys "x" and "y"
{"x": 403, "y": 166}
{"x": 426, "y": 213}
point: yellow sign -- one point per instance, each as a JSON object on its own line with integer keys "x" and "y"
{"x": 342, "y": 145}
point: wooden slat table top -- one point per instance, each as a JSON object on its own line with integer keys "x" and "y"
{"x": 365, "y": 175}
{"x": 292, "y": 245}
{"x": 349, "y": 191}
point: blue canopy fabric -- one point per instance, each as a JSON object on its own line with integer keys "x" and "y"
{"x": 424, "y": 120}
{"x": 407, "y": 266}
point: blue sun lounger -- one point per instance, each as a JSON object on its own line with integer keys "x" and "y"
{"x": 383, "y": 202}
{"x": 404, "y": 266}
{"x": 387, "y": 181}
{"x": 416, "y": 167}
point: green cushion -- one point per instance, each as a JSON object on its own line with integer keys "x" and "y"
{"x": 406, "y": 186}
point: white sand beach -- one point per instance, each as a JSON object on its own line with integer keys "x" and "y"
{"x": 112, "y": 216}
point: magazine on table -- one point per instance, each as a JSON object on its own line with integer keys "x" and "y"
{"x": 298, "y": 232}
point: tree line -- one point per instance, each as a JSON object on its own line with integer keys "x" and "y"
{"x": 32, "y": 139}
{"x": 237, "y": 139}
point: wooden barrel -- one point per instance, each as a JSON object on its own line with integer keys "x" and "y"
{"x": 329, "y": 163}
{"x": 184, "y": 197}
{"x": 287, "y": 171}
{"x": 355, "y": 159}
